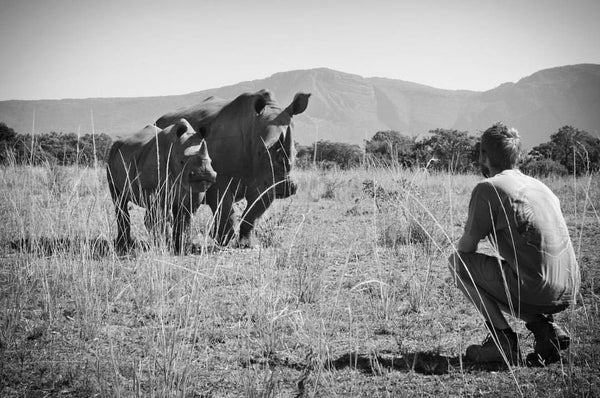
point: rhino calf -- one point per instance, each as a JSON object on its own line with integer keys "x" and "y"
{"x": 167, "y": 171}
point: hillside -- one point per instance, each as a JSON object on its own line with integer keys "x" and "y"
{"x": 350, "y": 108}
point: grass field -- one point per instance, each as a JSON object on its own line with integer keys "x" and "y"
{"x": 348, "y": 295}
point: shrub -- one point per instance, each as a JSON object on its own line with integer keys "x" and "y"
{"x": 543, "y": 167}
{"x": 329, "y": 154}
{"x": 390, "y": 147}
{"x": 52, "y": 148}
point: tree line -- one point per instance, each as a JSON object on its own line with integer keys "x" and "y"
{"x": 569, "y": 151}
{"x": 52, "y": 148}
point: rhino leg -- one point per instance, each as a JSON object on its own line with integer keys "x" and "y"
{"x": 257, "y": 205}
{"x": 221, "y": 204}
{"x": 181, "y": 226}
{"x": 124, "y": 242}
{"x": 156, "y": 222}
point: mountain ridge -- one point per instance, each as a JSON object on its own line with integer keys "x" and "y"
{"x": 350, "y": 108}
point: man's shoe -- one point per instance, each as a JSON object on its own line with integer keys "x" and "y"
{"x": 498, "y": 346}
{"x": 550, "y": 338}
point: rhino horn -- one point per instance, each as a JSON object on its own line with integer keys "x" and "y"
{"x": 271, "y": 141}
{"x": 200, "y": 150}
{"x": 203, "y": 150}
{"x": 287, "y": 142}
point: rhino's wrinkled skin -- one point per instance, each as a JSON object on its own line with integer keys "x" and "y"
{"x": 250, "y": 142}
{"x": 167, "y": 171}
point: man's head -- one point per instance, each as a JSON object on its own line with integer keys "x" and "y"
{"x": 500, "y": 149}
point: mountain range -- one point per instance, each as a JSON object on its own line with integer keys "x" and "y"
{"x": 350, "y": 108}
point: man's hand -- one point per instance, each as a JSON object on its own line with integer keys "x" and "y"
{"x": 467, "y": 244}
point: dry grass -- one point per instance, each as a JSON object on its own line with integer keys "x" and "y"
{"x": 349, "y": 296}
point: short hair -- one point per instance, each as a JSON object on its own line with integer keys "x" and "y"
{"x": 502, "y": 145}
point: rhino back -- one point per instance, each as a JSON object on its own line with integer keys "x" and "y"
{"x": 198, "y": 115}
{"x": 227, "y": 126}
{"x": 133, "y": 162}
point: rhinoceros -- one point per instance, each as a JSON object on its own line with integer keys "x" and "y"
{"x": 250, "y": 141}
{"x": 167, "y": 171}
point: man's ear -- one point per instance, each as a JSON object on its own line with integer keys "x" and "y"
{"x": 484, "y": 164}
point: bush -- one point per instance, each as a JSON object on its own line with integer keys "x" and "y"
{"x": 390, "y": 147}
{"x": 7, "y": 142}
{"x": 543, "y": 167}
{"x": 330, "y": 155}
{"x": 576, "y": 150}
{"x": 58, "y": 148}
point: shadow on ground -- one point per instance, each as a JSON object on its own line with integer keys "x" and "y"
{"x": 96, "y": 248}
{"x": 421, "y": 362}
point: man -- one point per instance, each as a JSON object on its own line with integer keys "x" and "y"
{"x": 534, "y": 273}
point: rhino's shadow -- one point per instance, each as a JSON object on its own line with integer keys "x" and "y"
{"x": 426, "y": 363}
{"x": 95, "y": 248}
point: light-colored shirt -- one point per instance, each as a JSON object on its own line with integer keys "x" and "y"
{"x": 522, "y": 218}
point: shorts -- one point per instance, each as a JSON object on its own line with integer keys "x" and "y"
{"x": 497, "y": 279}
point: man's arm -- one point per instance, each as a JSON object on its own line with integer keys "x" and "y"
{"x": 484, "y": 199}
{"x": 467, "y": 244}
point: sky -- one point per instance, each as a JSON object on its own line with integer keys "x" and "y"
{"x": 54, "y": 49}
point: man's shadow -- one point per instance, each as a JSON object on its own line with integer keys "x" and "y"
{"x": 426, "y": 363}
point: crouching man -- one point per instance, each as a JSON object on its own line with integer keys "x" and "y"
{"x": 534, "y": 274}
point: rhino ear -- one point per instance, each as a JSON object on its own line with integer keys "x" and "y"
{"x": 183, "y": 130}
{"x": 299, "y": 103}
{"x": 259, "y": 104}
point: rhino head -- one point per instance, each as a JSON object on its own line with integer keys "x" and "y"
{"x": 276, "y": 152}
{"x": 191, "y": 158}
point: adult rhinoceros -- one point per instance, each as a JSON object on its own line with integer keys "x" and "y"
{"x": 165, "y": 170}
{"x": 250, "y": 142}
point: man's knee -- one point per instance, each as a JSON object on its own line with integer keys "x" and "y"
{"x": 457, "y": 266}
